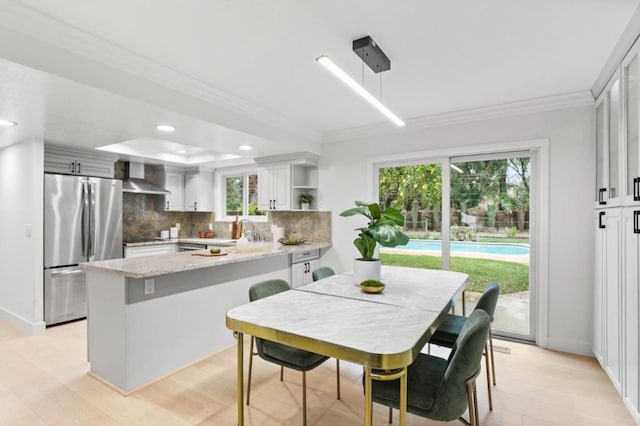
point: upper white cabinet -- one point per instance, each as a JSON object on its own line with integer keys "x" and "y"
{"x": 304, "y": 180}
{"x": 174, "y": 182}
{"x": 608, "y": 144}
{"x": 71, "y": 162}
{"x": 198, "y": 190}
{"x": 631, "y": 156}
{"x": 274, "y": 187}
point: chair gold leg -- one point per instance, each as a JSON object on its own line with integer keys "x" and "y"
{"x": 368, "y": 400}
{"x": 304, "y": 398}
{"x": 493, "y": 362}
{"x": 470, "y": 403}
{"x": 250, "y": 368}
{"x": 390, "y": 415}
{"x": 476, "y": 417}
{"x": 338, "y": 377}
{"x": 486, "y": 359}
{"x": 240, "y": 376}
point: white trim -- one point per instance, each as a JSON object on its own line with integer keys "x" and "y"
{"x": 541, "y": 149}
{"x": 34, "y": 329}
{"x": 570, "y": 346}
{"x": 548, "y": 103}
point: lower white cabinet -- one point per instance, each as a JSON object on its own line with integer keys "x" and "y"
{"x": 150, "y": 250}
{"x": 302, "y": 266}
{"x": 616, "y": 338}
{"x": 631, "y": 300}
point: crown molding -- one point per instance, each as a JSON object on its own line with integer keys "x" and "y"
{"x": 549, "y": 103}
{"x": 47, "y": 29}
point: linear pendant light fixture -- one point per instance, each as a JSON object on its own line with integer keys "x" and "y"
{"x": 369, "y": 52}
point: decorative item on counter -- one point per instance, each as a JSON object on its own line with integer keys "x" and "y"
{"x": 305, "y": 199}
{"x": 206, "y": 234}
{"x": 164, "y": 235}
{"x": 384, "y": 227}
{"x": 173, "y": 232}
{"x": 291, "y": 241}
{"x": 236, "y": 229}
{"x": 243, "y": 243}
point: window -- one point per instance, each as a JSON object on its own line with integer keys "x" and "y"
{"x": 241, "y": 194}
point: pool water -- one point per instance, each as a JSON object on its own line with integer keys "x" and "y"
{"x": 463, "y": 247}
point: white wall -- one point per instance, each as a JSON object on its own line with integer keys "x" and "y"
{"x": 21, "y": 256}
{"x": 343, "y": 179}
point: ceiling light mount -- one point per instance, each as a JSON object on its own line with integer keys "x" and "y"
{"x": 371, "y": 54}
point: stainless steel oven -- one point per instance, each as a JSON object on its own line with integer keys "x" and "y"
{"x": 191, "y": 247}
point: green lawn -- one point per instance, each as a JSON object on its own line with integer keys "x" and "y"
{"x": 513, "y": 277}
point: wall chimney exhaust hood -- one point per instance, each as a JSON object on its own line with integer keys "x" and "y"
{"x": 134, "y": 181}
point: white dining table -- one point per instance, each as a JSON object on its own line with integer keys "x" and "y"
{"x": 382, "y": 332}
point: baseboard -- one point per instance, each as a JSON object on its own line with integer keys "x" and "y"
{"x": 33, "y": 329}
{"x": 634, "y": 413}
{"x": 571, "y": 346}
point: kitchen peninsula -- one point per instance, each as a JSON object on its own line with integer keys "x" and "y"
{"x": 151, "y": 316}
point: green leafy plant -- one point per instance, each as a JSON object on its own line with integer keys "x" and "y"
{"x": 305, "y": 197}
{"x": 384, "y": 227}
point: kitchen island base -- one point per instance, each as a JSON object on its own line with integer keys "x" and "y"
{"x": 135, "y": 339}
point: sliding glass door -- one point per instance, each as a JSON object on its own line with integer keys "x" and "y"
{"x": 470, "y": 214}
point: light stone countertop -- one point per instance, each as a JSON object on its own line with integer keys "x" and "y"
{"x": 151, "y": 266}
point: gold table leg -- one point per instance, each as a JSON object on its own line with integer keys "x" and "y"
{"x": 401, "y": 374}
{"x": 240, "y": 378}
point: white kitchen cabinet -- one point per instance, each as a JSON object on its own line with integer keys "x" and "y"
{"x": 198, "y": 192}
{"x": 150, "y": 250}
{"x": 608, "y": 145}
{"x": 304, "y": 180}
{"x": 631, "y": 109}
{"x": 630, "y": 308}
{"x": 274, "y": 187}
{"x": 302, "y": 266}
{"x": 174, "y": 182}
{"x": 79, "y": 163}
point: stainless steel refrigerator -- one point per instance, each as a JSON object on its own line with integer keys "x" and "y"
{"x": 82, "y": 222}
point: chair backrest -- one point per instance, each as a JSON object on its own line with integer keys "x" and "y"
{"x": 322, "y": 272}
{"x": 489, "y": 299}
{"x": 267, "y": 288}
{"x": 464, "y": 362}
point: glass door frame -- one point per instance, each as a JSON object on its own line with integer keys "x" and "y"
{"x": 538, "y": 150}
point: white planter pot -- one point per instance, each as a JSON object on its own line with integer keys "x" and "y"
{"x": 366, "y": 270}
{"x": 304, "y": 206}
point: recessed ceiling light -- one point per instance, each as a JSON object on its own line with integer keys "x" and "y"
{"x": 7, "y": 123}
{"x": 166, "y": 128}
{"x": 181, "y": 151}
{"x": 245, "y": 148}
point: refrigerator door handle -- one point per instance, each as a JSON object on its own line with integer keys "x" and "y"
{"x": 92, "y": 219}
{"x": 84, "y": 219}
{"x": 65, "y": 273}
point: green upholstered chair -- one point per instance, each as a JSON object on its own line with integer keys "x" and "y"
{"x": 322, "y": 272}
{"x": 448, "y": 331}
{"x": 277, "y": 353}
{"x": 442, "y": 389}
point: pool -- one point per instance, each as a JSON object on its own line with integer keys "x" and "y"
{"x": 461, "y": 247}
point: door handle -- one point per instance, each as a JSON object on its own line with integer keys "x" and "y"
{"x": 84, "y": 219}
{"x": 92, "y": 217}
{"x": 600, "y": 224}
{"x": 601, "y": 200}
{"x": 636, "y": 221}
{"x": 65, "y": 273}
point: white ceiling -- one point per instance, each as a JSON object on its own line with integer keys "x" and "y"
{"x": 231, "y": 72}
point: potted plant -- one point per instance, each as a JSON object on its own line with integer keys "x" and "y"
{"x": 305, "y": 200}
{"x": 384, "y": 227}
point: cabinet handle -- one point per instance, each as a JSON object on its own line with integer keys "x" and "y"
{"x": 78, "y": 168}
{"x": 272, "y": 204}
{"x": 195, "y": 206}
{"x": 73, "y": 167}
{"x": 600, "y": 224}
{"x": 636, "y": 189}
{"x": 601, "y": 200}
{"x": 167, "y": 205}
{"x": 636, "y": 221}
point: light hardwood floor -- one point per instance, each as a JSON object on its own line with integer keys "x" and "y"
{"x": 43, "y": 381}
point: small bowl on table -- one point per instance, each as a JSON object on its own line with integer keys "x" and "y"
{"x": 371, "y": 286}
